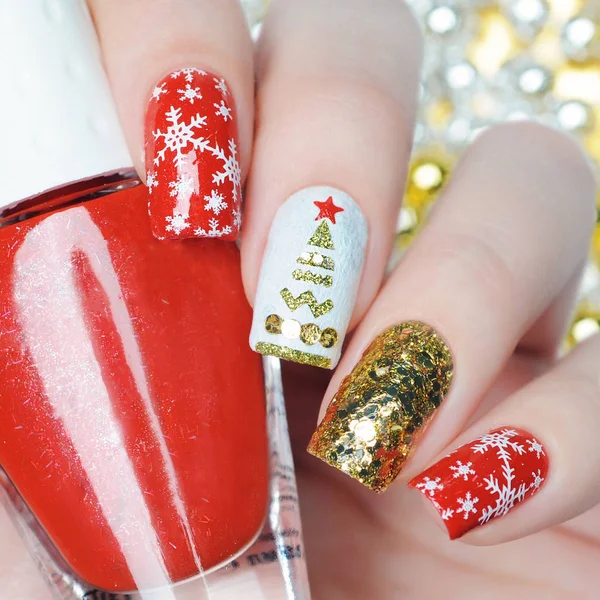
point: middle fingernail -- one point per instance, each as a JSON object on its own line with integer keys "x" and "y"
{"x": 193, "y": 174}
{"x": 309, "y": 277}
{"x": 373, "y": 422}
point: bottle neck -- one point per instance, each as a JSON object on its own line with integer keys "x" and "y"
{"x": 68, "y": 195}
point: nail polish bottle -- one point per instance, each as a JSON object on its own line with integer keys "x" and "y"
{"x": 134, "y": 440}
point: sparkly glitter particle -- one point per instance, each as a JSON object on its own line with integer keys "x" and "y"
{"x": 373, "y": 422}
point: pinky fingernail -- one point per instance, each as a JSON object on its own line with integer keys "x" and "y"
{"x": 485, "y": 479}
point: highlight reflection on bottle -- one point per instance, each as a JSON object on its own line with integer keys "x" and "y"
{"x": 132, "y": 417}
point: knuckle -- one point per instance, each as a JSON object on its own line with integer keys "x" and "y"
{"x": 478, "y": 266}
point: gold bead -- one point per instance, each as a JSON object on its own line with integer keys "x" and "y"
{"x": 329, "y": 337}
{"x": 273, "y": 324}
{"x": 427, "y": 176}
{"x": 585, "y": 324}
{"x": 310, "y": 333}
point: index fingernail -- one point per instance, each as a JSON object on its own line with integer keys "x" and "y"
{"x": 193, "y": 174}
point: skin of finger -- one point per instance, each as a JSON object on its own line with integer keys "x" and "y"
{"x": 546, "y": 336}
{"x": 20, "y": 578}
{"x": 336, "y": 102}
{"x": 561, "y": 409}
{"x": 510, "y": 231}
{"x": 144, "y": 40}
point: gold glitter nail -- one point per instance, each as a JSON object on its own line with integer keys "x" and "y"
{"x": 300, "y": 275}
{"x": 374, "y": 421}
{"x": 294, "y": 355}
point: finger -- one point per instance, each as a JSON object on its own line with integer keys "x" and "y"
{"x": 542, "y": 443}
{"x": 19, "y": 575}
{"x": 478, "y": 276}
{"x": 336, "y": 106}
{"x": 181, "y": 72}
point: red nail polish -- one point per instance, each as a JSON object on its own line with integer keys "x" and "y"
{"x": 485, "y": 479}
{"x": 132, "y": 412}
{"x": 193, "y": 173}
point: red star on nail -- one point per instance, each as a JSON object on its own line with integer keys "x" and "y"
{"x": 327, "y": 209}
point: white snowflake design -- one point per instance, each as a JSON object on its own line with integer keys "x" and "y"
{"x": 151, "y": 181}
{"x": 223, "y": 110}
{"x": 237, "y": 218}
{"x": 447, "y": 513}
{"x": 158, "y": 91}
{"x": 537, "y": 479}
{"x": 215, "y": 202}
{"x": 182, "y": 187}
{"x": 189, "y": 93}
{"x": 188, "y": 74}
{"x": 429, "y": 486}
{"x": 535, "y": 446}
{"x": 214, "y": 230}
{"x": 179, "y": 136}
{"x": 231, "y": 167}
{"x": 467, "y": 505}
{"x": 461, "y": 470}
{"x": 507, "y": 495}
{"x": 221, "y": 85}
{"x": 177, "y": 223}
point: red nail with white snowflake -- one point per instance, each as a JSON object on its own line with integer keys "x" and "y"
{"x": 485, "y": 479}
{"x": 193, "y": 174}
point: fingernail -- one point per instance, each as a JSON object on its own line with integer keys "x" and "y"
{"x": 485, "y": 479}
{"x": 193, "y": 173}
{"x": 309, "y": 277}
{"x": 374, "y": 421}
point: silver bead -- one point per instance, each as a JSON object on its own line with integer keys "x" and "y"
{"x": 580, "y": 39}
{"x": 460, "y": 75}
{"x": 444, "y": 19}
{"x": 575, "y": 116}
{"x": 527, "y": 16}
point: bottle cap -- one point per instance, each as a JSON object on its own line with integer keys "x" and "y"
{"x": 57, "y": 116}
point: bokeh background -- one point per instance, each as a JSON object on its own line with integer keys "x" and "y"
{"x": 491, "y": 61}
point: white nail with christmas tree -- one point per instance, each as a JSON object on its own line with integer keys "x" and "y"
{"x": 309, "y": 277}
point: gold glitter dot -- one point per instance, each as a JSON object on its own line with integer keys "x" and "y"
{"x": 329, "y": 337}
{"x": 273, "y": 324}
{"x": 310, "y": 333}
{"x": 290, "y": 329}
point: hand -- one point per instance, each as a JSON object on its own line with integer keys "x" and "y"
{"x": 494, "y": 274}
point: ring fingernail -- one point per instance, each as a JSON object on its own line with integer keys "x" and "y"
{"x": 373, "y": 422}
{"x": 485, "y": 479}
{"x": 309, "y": 277}
{"x": 193, "y": 174}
